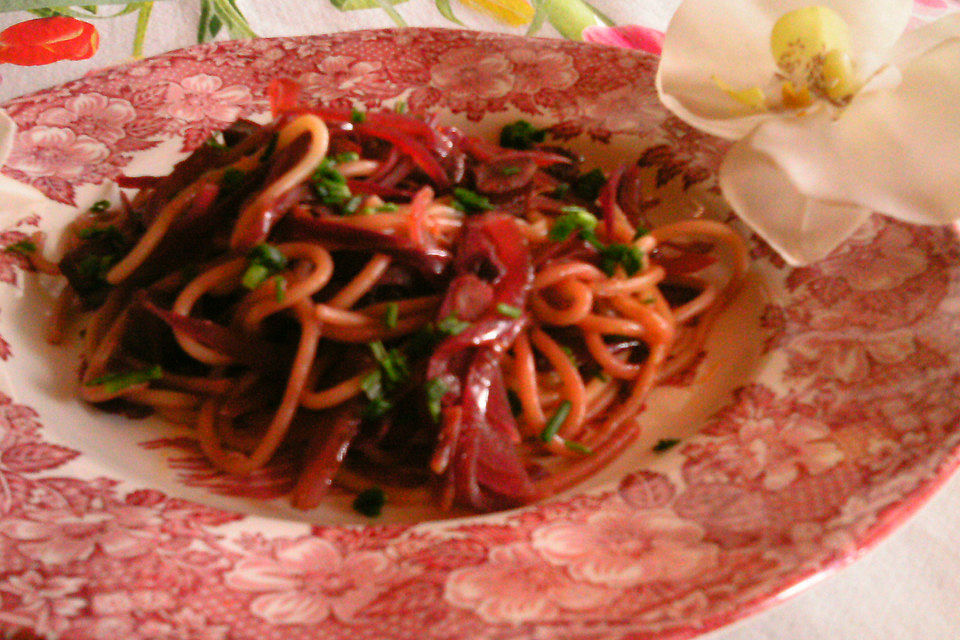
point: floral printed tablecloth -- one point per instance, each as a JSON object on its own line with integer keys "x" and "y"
{"x": 906, "y": 589}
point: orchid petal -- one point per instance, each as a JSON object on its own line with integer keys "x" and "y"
{"x": 800, "y": 229}
{"x": 730, "y": 41}
{"x": 895, "y": 151}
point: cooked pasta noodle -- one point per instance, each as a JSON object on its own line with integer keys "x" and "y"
{"x": 394, "y": 301}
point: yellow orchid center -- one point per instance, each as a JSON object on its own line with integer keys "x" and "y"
{"x": 811, "y": 47}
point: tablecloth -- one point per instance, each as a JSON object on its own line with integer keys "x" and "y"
{"x": 908, "y": 588}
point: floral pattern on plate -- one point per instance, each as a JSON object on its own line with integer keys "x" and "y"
{"x": 851, "y": 422}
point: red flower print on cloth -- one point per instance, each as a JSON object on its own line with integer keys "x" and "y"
{"x": 307, "y": 580}
{"x": 55, "y": 151}
{"x": 535, "y": 70}
{"x": 204, "y": 95}
{"x": 462, "y": 75}
{"x": 627, "y": 36}
{"x": 92, "y": 114}
{"x": 514, "y": 586}
{"x": 48, "y": 40}
{"x": 622, "y": 547}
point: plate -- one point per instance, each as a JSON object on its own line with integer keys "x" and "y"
{"x": 821, "y": 416}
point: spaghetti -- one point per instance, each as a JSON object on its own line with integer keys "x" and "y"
{"x": 395, "y": 302}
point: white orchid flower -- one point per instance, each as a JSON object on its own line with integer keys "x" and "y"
{"x": 836, "y": 112}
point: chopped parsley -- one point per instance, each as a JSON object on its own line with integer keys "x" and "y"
{"x": 100, "y": 206}
{"x": 113, "y": 382}
{"x": 435, "y": 389}
{"x": 470, "y": 201}
{"x": 556, "y": 421}
{"x": 265, "y": 261}
{"x": 521, "y": 135}
{"x": 391, "y": 315}
{"x": 509, "y": 310}
{"x": 370, "y": 502}
{"x": 24, "y": 247}
{"x": 588, "y": 185}
{"x": 665, "y": 444}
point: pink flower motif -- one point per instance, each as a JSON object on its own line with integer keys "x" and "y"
{"x": 772, "y": 446}
{"x": 627, "y": 36}
{"x": 92, "y": 114}
{"x": 516, "y": 585}
{"x": 461, "y": 74}
{"x": 339, "y": 76}
{"x": 305, "y": 581}
{"x": 536, "y": 70}
{"x": 625, "y": 547}
{"x": 622, "y": 109}
{"x": 201, "y": 96}
{"x": 868, "y": 265}
{"x": 42, "y": 151}
{"x": 56, "y": 537}
{"x": 45, "y": 603}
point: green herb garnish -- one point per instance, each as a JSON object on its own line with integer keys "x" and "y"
{"x": 509, "y": 310}
{"x": 370, "y": 502}
{"x": 279, "y": 288}
{"x": 24, "y": 247}
{"x": 100, "y": 206}
{"x": 346, "y": 156}
{"x": 387, "y": 207}
{"x": 521, "y": 135}
{"x": 574, "y": 220}
{"x": 400, "y": 106}
{"x": 625, "y": 255}
{"x": 576, "y": 446}
{"x": 435, "y": 389}
{"x": 329, "y": 184}
{"x": 216, "y": 141}
{"x": 665, "y": 444}
{"x": 510, "y": 170}
{"x": 391, "y": 315}
{"x": 588, "y": 185}
{"x": 469, "y": 201}
{"x": 556, "y": 421}
{"x": 265, "y": 261}
{"x": 357, "y": 116}
{"x": 452, "y": 326}
{"x": 114, "y": 382}
{"x": 94, "y": 268}
{"x": 393, "y": 363}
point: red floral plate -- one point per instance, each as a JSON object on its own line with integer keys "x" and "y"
{"x": 823, "y": 413}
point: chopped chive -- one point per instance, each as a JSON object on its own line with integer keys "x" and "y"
{"x": 114, "y": 382}
{"x": 265, "y": 261}
{"x": 392, "y": 362}
{"x": 576, "y": 446}
{"x": 627, "y": 256}
{"x": 25, "y": 247}
{"x": 279, "y": 288}
{"x": 100, "y": 206}
{"x": 435, "y": 389}
{"x": 357, "y": 116}
{"x": 346, "y": 156}
{"x": 665, "y": 444}
{"x": 555, "y": 422}
{"x": 469, "y": 201}
{"x": 387, "y": 207}
{"x": 372, "y": 385}
{"x": 574, "y": 220}
{"x": 370, "y": 502}
{"x": 510, "y": 170}
{"x": 215, "y": 140}
{"x": 352, "y": 206}
{"x": 452, "y": 326}
{"x": 509, "y": 310}
{"x": 391, "y": 315}
{"x": 254, "y": 276}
